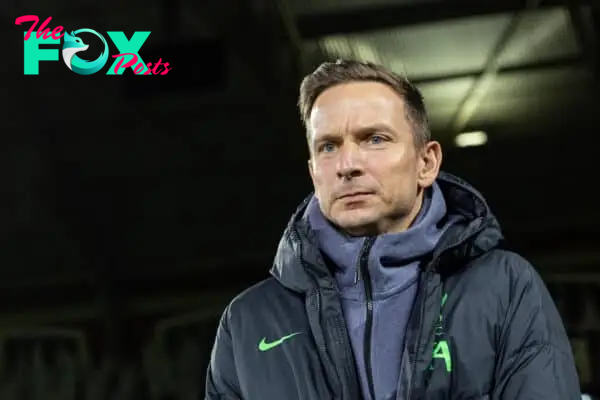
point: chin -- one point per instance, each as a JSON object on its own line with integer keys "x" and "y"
{"x": 355, "y": 220}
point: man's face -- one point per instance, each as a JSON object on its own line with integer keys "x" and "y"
{"x": 365, "y": 167}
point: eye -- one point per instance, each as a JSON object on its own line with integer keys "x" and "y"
{"x": 376, "y": 139}
{"x": 326, "y": 147}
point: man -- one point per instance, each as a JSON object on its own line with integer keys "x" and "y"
{"x": 390, "y": 282}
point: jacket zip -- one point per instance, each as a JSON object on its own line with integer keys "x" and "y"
{"x": 363, "y": 268}
{"x": 421, "y": 301}
{"x": 351, "y": 377}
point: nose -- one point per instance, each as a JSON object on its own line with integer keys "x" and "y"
{"x": 349, "y": 162}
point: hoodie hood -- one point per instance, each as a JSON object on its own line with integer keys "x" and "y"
{"x": 393, "y": 258}
{"x": 298, "y": 262}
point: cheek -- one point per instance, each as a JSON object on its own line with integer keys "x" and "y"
{"x": 387, "y": 166}
{"x": 392, "y": 172}
{"x": 320, "y": 183}
{"x": 317, "y": 176}
{"x": 322, "y": 173}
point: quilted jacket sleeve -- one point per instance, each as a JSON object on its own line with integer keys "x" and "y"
{"x": 535, "y": 357}
{"x": 221, "y": 378}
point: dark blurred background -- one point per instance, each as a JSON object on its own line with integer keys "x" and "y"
{"x": 135, "y": 207}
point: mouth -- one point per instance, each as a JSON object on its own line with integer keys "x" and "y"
{"x": 355, "y": 194}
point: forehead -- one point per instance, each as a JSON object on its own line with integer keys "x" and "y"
{"x": 357, "y": 105}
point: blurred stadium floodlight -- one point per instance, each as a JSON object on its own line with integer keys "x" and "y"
{"x": 471, "y": 139}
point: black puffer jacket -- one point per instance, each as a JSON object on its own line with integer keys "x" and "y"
{"x": 483, "y": 325}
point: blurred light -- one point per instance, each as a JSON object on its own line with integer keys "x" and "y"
{"x": 471, "y": 139}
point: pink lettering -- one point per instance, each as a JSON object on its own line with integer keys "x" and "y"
{"x": 138, "y": 68}
{"x": 43, "y": 31}
{"x": 130, "y": 63}
{"x": 155, "y": 70}
{"x": 148, "y": 71}
{"x": 167, "y": 69}
{"x": 48, "y": 34}
{"x": 28, "y": 18}
{"x": 57, "y": 31}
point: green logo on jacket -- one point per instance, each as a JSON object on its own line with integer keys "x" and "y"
{"x": 263, "y": 345}
{"x": 441, "y": 350}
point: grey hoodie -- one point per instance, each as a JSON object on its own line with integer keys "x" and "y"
{"x": 394, "y": 269}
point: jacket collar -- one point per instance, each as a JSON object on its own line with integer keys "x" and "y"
{"x": 298, "y": 264}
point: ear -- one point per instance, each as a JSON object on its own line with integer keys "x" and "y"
{"x": 429, "y": 164}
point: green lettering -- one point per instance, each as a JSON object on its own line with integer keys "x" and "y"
{"x": 33, "y": 54}
{"x": 132, "y": 45}
{"x": 442, "y": 351}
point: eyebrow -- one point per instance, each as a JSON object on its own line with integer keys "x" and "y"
{"x": 374, "y": 128}
{"x": 331, "y": 137}
{"x": 327, "y": 137}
